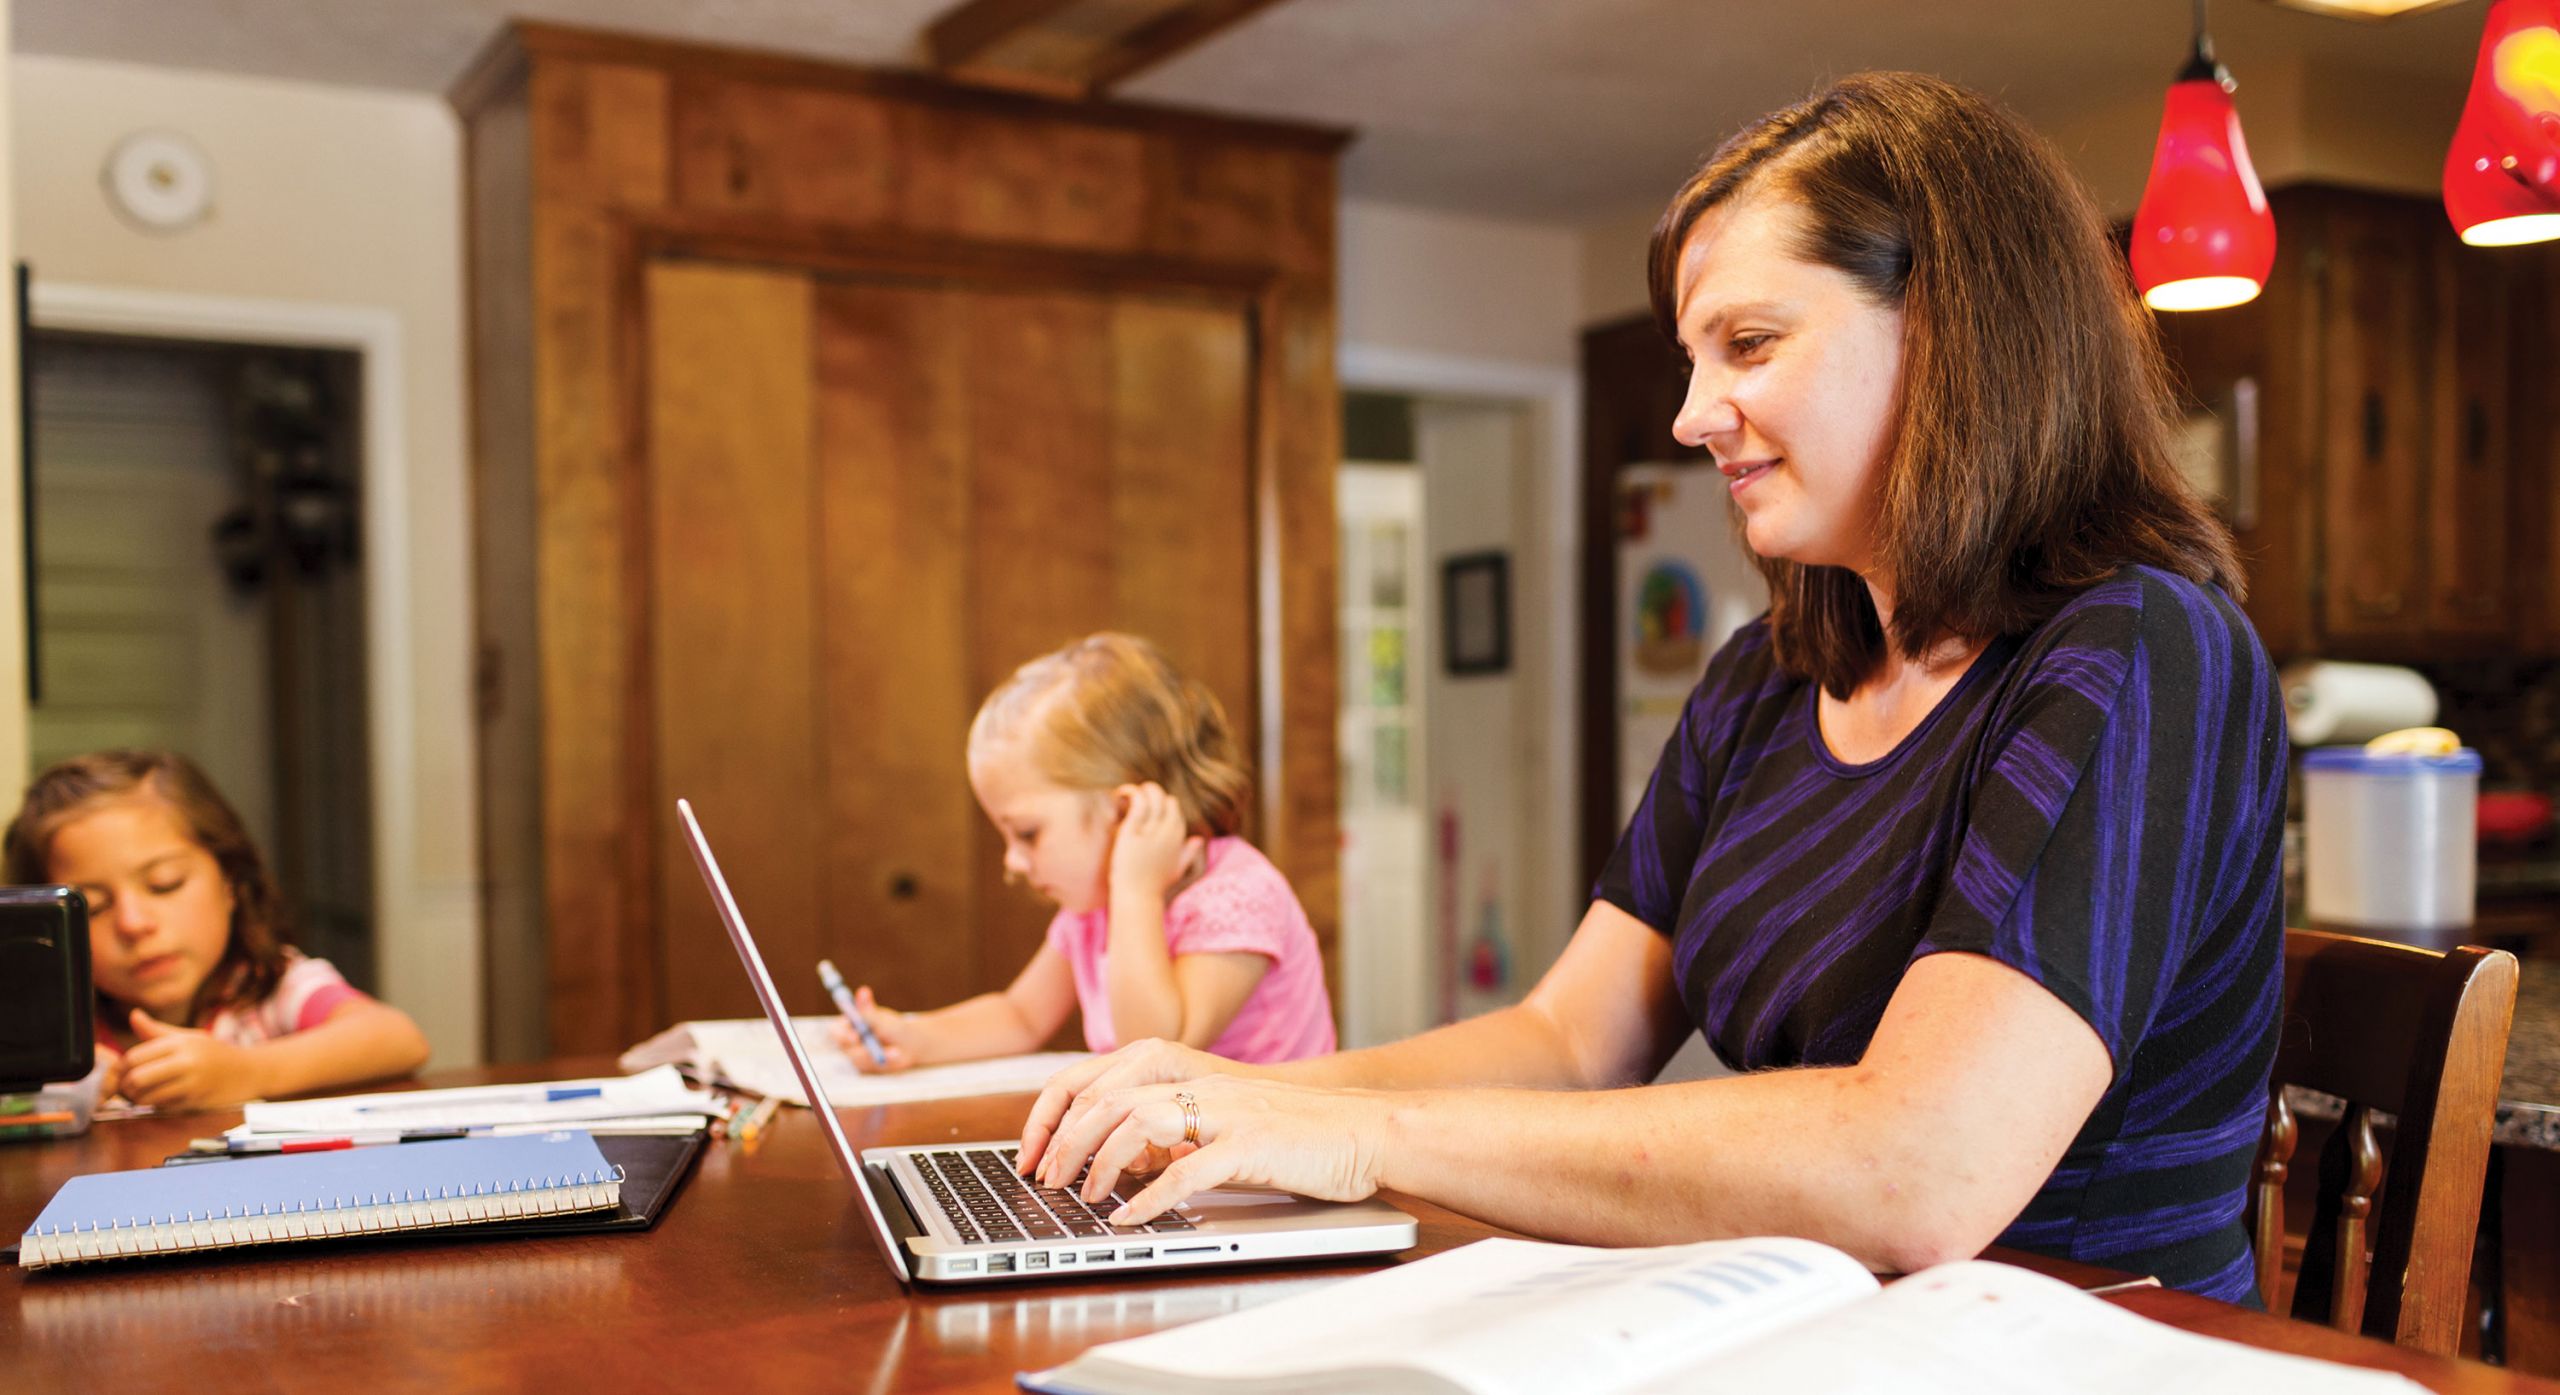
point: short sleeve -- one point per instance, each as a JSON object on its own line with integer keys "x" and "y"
{"x": 2140, "y": 742}
{"x": 309, "y": 992}
{"x": 1647, "y": 876}
{"x": 1248, "y": 909}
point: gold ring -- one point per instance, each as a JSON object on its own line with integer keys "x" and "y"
{"x": 1190, "y": 1117}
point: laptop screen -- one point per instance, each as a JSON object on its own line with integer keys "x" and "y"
{"x": 771, "y": 1000}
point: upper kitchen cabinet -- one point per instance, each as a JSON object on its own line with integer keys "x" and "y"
{"x": 809, "y": 401}
{"x": 2371, "y": 425}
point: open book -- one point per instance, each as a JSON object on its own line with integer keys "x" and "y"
{"x": 1504, "y": 1316}
{"x": 744, "y": 1054}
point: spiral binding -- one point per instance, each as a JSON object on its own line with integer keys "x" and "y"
{"x": 381, "y": 1213}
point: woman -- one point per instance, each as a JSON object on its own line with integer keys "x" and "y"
{"x": 1977, "y": 827}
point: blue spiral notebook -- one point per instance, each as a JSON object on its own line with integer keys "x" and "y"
{"x": 318, "y": 1196}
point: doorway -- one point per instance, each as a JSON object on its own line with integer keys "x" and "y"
{"x": 197, "y": 586}
{"x": 1445, "y": 721}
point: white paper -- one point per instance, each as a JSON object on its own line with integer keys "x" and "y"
{"x": 745, "y": 1053}
{"x": 655, "y": 1093}
{"x": 1980, "y": 1328}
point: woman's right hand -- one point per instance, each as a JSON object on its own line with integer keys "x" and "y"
{"x": 896, "y": 1030}
{"x": 1073, "y": 1091}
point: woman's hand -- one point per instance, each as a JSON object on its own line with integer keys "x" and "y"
{"x": 181, "y": 1067}
{"x": 896, "y": 1031}
{"x": 1153, "y": 849}
{"x": 1313, "y": 1142}
{"x": 1076, "y": 1090}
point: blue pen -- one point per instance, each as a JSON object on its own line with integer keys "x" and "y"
{"x": 551, "y": 1095}
{"x": 844, "y": 1003}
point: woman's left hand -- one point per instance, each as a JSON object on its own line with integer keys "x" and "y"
{"x": 177, "y": 1067}
{"x": 1314, "y": 1142}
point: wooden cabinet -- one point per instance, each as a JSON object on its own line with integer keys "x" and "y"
{"x": 2379, "y": 451}
{"x": 809, "y": 401}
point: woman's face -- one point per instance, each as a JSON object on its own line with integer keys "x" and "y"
{"x": 159, "y": 906}
{"x": 1056, "y": 839}
{"x": 1793, "y": 384}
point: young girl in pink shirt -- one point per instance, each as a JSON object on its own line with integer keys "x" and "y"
{"x": 1116, "y": 786}
{"x": 200, "y": 1000}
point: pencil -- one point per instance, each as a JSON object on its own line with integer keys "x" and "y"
{"x": 757, "y": 1118}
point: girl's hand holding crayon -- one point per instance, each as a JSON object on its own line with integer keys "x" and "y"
{"x": 896, "y": 1030}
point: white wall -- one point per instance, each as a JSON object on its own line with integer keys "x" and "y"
{"x": 1476, "y": 288}
{"x": 326, "y": 198}
{"x": 13, "y": 632}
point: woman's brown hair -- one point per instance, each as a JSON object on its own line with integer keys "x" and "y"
{"x": 1109, "y": 710}
{"x": 2032, "y": 452}
{"x": 254, "y": 958}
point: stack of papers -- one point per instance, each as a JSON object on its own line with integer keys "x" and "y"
{"x": 744, "y": 1054}
{"x": 657, "y": 1101}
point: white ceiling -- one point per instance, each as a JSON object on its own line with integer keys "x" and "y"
{"x": 1554, "y": 110}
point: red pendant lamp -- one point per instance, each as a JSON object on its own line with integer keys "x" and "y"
{"x": 2502, "y": 173}
{"x": 2203, "y": 237}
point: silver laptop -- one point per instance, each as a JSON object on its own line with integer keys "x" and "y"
{"x": 957, "y": 1213}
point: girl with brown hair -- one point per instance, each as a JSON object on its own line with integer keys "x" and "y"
{"x": 1116, "y": 786}
{"x": 200, "y": 1000}
{"x": 1964, "y": 857}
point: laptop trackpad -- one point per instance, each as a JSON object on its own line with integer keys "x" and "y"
{"x": 1246, "y": 1204}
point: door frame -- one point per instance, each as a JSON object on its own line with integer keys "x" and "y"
{"x": 1553, "y": 396}
{"x": 427, "y": 947}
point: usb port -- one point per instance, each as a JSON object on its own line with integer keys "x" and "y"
{"x": 964, "y": 1266}
{"x": 999, "y": 1264}
{"x": 1141, "y": 1252}
{"x": 1097, "y": 1256}
{"x": 1065, "y": 1258}
{"x": 1039, "y": 1259}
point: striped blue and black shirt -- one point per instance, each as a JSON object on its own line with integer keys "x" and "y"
{"x": 2098, "y": 804}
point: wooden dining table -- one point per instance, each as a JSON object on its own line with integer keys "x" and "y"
{"x": 761, "y": 1275}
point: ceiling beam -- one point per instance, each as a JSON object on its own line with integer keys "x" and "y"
{"x": 1170, "y": 33}
{"x": 1072, "y": 47}
{"x": 961, "y": 37}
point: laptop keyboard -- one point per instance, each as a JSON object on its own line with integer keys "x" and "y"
{"x": 984, "y": 1199}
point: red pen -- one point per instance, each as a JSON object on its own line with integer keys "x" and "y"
{"x": 241, "y": 1147}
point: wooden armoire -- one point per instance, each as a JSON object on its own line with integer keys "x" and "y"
{"x": 810, "y": 400}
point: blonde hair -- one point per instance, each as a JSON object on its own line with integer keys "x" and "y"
{"x": 1108, "y": 710}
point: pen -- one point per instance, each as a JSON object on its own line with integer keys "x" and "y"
{"x": 241, "y": 1147}
{"x": 552, "y": 1095}
{"x": 844, "y": 1003}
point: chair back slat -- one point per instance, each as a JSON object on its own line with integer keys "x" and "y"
{"x": 2422, "y": 1037}
{"x": 2266, "y": 1199}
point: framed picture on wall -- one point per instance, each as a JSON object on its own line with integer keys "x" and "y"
{"x": 1475, "y": 613}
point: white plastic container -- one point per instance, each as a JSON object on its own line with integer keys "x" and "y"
{"x": 2390, "y": 843}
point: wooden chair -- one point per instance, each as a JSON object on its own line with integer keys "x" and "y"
{"x": 2422, "y": 1037}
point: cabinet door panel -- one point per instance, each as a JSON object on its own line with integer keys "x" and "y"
{"x": 2372, "y": 441}
{"x": 733, "y": 698}
{"x": 2471, "y": 451}
{"x": 893, "y": 502}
